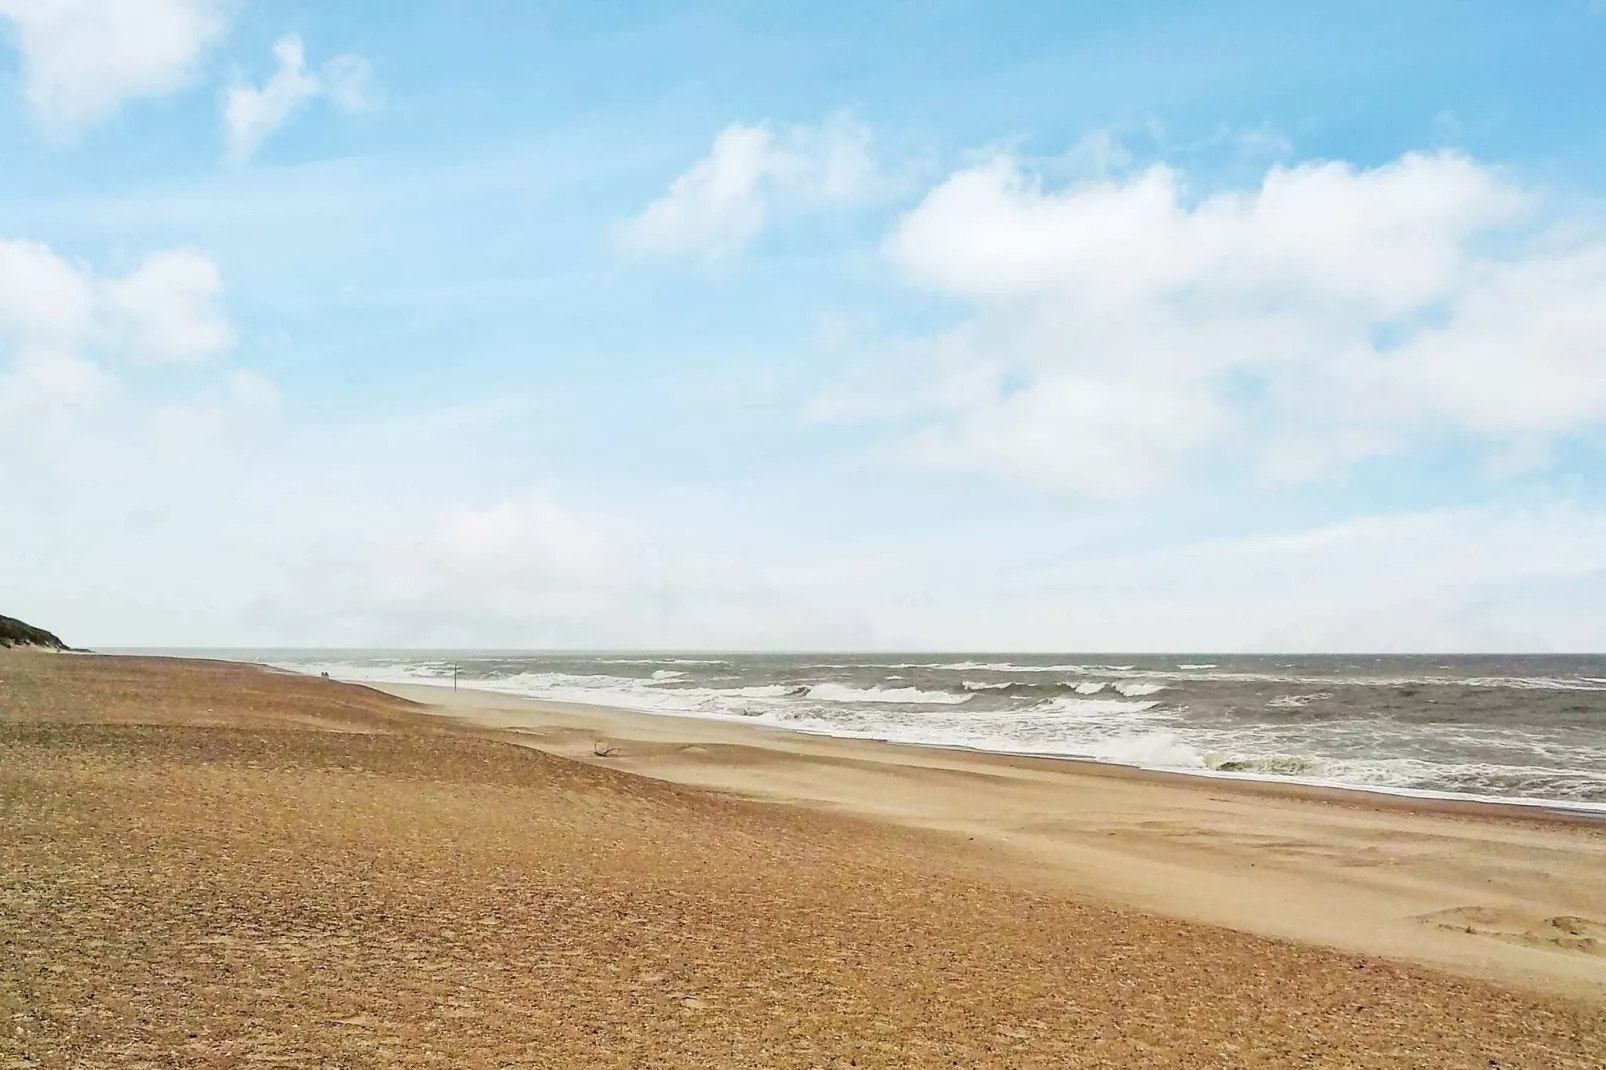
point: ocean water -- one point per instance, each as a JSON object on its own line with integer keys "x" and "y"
{"x": 1509, "y": 727}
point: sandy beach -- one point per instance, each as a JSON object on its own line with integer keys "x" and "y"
{"x": 1488, "y": 890}
{"x": 213, "y": 865}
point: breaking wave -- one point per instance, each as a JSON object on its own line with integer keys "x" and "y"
{"x": 1527, "y": 728}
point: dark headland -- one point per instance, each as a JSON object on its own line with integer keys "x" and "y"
{"x": 14, "y": 632}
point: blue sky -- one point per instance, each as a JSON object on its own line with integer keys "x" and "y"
{"x": 1101, "y": 326}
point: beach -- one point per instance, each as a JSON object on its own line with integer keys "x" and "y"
{"x": 210, "y": 864}
{"x": 1489, "y": 890}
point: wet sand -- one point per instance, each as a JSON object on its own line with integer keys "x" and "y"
{"x": 212, "y": 865}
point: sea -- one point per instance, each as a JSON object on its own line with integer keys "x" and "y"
{"x": 1519, "y": 728}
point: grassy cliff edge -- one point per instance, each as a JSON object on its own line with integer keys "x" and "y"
{"x": 14, "y": 632}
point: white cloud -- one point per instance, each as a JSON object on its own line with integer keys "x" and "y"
{"x": 58, "y": 322}
{"x": 85, "y": 57}
{"x": 393, "y": 536}
{"x": 47, "y": 308}
{"x": 1522, "y": 350}
{"x": 251, "y": 115}
{"x": 1110, "y": 436}
{"x": 1124, "y": 329}
{"x": 723, "y": 201}
{"x": 42, "y": 297}
{"x": 169, "y": 307}
{"x": 1381, "y": 242}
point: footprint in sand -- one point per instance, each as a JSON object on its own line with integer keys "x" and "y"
{"x": 1563, "y": 932}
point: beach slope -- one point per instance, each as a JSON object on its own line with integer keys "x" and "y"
{"x": 213, "y": 865}
{"x": 1509, "y": 893}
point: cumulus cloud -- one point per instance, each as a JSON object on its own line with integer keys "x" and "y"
{"x": 47, "y": 308}
{"x": 42, "y": 297}
{"x": 1125, "y": 328}
{"x": 724, "y": 200}
{"x": 251, "y": 114}
{"x": 59, "y": 323}
{"x": 170, "y": 308}
{"x": 85, "y": 57}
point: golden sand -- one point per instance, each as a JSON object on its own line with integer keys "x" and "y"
{"x": 1506, "y": 893}
{"x": 209, "y": 865}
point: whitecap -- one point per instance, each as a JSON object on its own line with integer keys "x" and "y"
{"x": 1153, "y": 750}
{"x": 1132, "y": 690}
{"x": 830, "y": 692}
{"x": 1296, "y": 702}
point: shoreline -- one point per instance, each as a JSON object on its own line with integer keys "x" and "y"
{"x": 1517, "y": 808}
{"x": 1476, "y": 888}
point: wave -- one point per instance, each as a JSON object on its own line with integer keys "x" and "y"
{"x": 1006, "y": 666}
{"x": 1201, "y": 672}
{"x": 1081, "y": 708}
{"x": 1050, "y": 689}
{"x": 659, "y": 661}
{"x": 1297, "y": 702}
{"x": 1114, "y": 720}
{"x": 905, "y": 695}
{"x": 1148, "y": 750}
{"x": 1132, "y": 690}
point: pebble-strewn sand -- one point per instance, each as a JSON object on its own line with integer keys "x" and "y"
{"x": 205, "y": 865}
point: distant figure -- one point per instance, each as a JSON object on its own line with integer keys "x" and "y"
{"x": 326, "y": 676}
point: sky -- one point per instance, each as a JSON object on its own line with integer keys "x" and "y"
{"x": 1230, "y": 325}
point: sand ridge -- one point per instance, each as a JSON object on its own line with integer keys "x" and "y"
{"x": 269, "y": 890}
